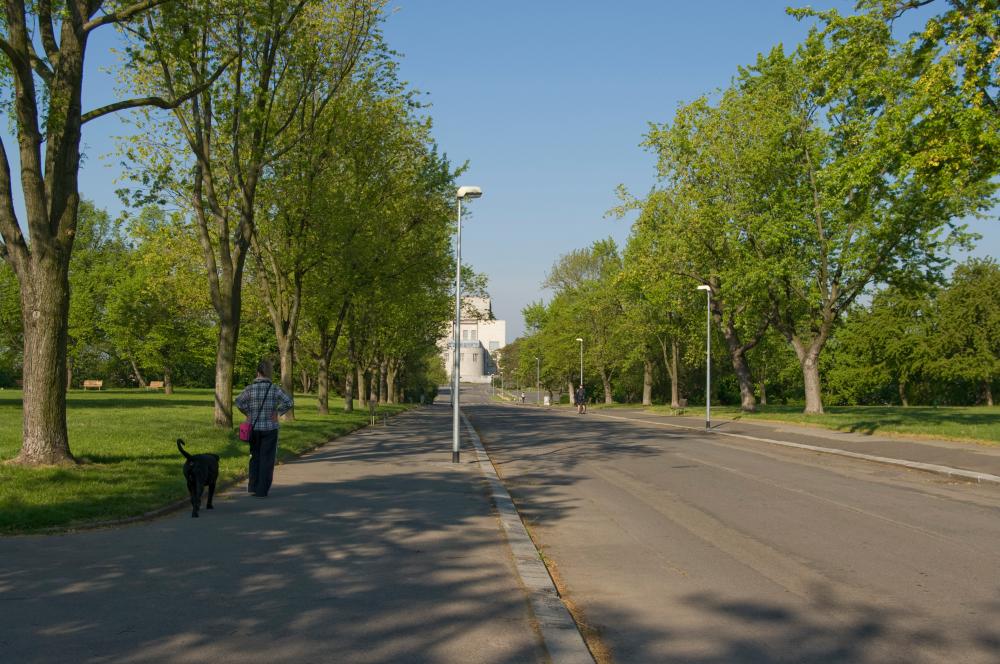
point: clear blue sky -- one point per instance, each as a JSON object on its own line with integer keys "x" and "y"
{"x": 548, "y": 101}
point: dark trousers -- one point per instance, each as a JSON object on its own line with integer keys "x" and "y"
{"x": 263, "y": 448}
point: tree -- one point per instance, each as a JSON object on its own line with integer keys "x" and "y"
{"x": 98, "y": 262}
{"x": 884, "y": 347}
{"x": 587, "y": 280}
{"x": 157, "y": 316}
{"x": 968, "y": 334}
{"x": 48, "y": 119}
{"x": 886, "y": 161}
{"x": 280, "y": 57}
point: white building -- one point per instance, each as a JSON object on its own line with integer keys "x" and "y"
{"x": 481, "y": 336}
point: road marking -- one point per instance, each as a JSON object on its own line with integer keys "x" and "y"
{"x": 917, "y": 465}
{"x": 560, "y": 633}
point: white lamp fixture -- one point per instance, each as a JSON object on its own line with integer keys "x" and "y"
{"x": 708, "y": 355}
{"x": 462, "y": 193}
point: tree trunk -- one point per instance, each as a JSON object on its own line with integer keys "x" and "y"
{"x": 647, "y": 382}
{"x": 383, "y": 371}
{"x": 349, "y": 391}
{"x": 362, "y": 387}
{"x": 763, "y": 392}
{"x": 287, "y": 358}
{"x": 810, "y": 378}
{"x": 225, "y": 365}
{"x": 606, "y": 382}
{"x": 373, "y": 386}
{"x": 390, "y": 381}
{"x": 672, "y": 365}
{"x": 45, "y": 316}
{"x": 902, "y": 394}
{"x": 988, "y": 392}
{"x": 809, "y": 361}
{"x": 168, "y": 381}
{"x": 323, "y": 385}
{"x": 572, "y": 392}
{"x": 675, "y": 388}
{"x": 138, "y": 374}
{"x": 69, "y": 374}
{"x": 737, "y": 353}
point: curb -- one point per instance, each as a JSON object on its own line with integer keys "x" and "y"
{"x": 559, "y": 631}
{"x": 914, "y": 465}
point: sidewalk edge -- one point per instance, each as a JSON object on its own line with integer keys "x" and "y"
{"x": 560, "y": 634}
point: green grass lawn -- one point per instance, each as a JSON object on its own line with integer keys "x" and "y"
{"x": 126, "y": 443}
{"x": 977, "y": 423}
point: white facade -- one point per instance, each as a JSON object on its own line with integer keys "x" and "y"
{"x": 479, "y": 338}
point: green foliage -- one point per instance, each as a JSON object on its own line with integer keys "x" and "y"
{"x": 968, "y": 326}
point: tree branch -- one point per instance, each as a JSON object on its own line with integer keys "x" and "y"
{"x": 159, "y": 102}
{"x": 47, "y": 30}
{"x": 122, "y": 14}
{"x": 13, "y": 240}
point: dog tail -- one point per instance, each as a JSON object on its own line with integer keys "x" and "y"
{"x": 180, "y": 446}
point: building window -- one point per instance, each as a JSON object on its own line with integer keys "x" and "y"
{"x": 475, "y": 357}
{"x": 473, "y": 335}
{"x": 465, "y": 335}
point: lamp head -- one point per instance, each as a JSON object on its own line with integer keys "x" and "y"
{"x": 579, "y": 339}
{"x": 705, "y": 287}
{"x": 469, "y": 192}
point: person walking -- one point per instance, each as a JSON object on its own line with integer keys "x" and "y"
{"x": 262, "y": 402}
{"x": 581, "y": 400}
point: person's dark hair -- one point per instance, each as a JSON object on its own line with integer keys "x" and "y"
{"x": 265, "y": 368}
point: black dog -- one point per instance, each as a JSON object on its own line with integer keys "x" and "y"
{"x": 200, "y": 470}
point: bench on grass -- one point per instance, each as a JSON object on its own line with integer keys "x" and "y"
{"x": 155, "y": 385}
{"x": 96, "y": 384}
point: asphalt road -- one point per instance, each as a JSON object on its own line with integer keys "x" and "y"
{"x": 677, "y": 546}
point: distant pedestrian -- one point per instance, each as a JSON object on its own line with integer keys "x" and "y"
{"x": 581, "y": 400}
{"x": 262, "y": 402}
{"x": 522, "y": 397}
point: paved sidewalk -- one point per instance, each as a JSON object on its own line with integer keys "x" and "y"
{"x": 374, "y": 548}
{"x": 951, "y": 454}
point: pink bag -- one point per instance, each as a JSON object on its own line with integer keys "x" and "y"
{"x": 246, "y": 429}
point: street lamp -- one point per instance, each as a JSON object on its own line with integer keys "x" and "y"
{"x": 538, "y": 381}
{"x": 581, "y": 359}
{"x": 708, "y": 355}
{"x": 470, "y": 193}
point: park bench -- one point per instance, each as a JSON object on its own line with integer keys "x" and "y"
{"x": 96, "y": 384}
{"x": 155, "y": 385}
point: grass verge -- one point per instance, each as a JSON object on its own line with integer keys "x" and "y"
{"x": 980, "y": 424}
{"x": 125, "y": 441}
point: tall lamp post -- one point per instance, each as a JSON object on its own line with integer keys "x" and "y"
{"x": 470, "y": 193}
{"x": 538, "y": 381}
{"x": 708, "y": 355}
{"x": 581, "y": 361}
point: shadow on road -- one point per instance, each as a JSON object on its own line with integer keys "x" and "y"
{"x": 372, "y": 569}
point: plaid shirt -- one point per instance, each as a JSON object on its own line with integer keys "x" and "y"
{"x": 265, "y": 411}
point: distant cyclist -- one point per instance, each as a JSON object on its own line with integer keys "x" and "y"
{"x": 581, "y": 400}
